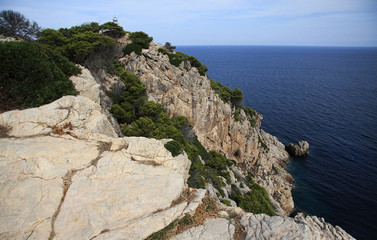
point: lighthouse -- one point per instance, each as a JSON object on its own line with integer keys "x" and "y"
{"x": 115, "y": 20}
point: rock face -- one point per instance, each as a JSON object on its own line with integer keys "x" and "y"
{"x": 251, "y": 226}
{"x": 86, "y": 85}
{"x": 213, "y": 228}
{"x": 265, "y": 227}
{"x": 182, "y": 91}
{"x": 78, "y": 116}
{"x": 80, "y": 181}
{"x": 299, "y": 150}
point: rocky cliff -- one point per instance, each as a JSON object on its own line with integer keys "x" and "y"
{"x": 65, "y": 173}
{"x": 183, "y": 91}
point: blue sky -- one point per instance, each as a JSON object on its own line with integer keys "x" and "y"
{"x": 219, "y": 22}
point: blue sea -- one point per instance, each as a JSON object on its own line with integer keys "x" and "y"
{"x": 327, "y": 96}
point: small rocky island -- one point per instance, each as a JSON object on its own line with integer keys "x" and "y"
{"x": 300, "y": 150}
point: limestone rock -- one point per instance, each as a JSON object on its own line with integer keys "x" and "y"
{"x": 77, "y": 116}
{"x": 265, "y": 227}
{"x": 299, "y": 150}
{"x": 213, "y": 228}
{"x": 86, "y": 85}
{"x": 61, "y": 186}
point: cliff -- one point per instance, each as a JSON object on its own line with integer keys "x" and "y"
{"x": 65, "y": 173}
{"x": 183, "y": 91}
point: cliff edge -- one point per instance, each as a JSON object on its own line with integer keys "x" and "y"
{"x": 183, "y": 91}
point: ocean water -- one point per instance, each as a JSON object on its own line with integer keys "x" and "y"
{"x": 327, "y": 96}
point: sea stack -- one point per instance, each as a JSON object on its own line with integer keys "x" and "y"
{"x": 300, "y": 150}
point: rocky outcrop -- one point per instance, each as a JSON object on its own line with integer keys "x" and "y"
{"x": 182, "y": 91}
{"x": 77, "y": 116}
{"x": 260, "y": 226}
{"x": 213, "y": 228}
{"x": 65, "y": 175}
{"x": 264, "y": 227}
{"x": 86, "y": 85}
{"x": 300, "y": 150}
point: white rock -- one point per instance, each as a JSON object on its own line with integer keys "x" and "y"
{"x": 77, "y": 116}
{"x": 265, "y": 227}
{"x": 213, "y": 228}
{"x": 68, "y": 187}
{"x": 86, "y": 85}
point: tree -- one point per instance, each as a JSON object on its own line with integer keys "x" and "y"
{"x": 169, "y": 47}
{"x": 14, "y": 24}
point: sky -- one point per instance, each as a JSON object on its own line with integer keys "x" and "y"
{"x": 218, "y": 22}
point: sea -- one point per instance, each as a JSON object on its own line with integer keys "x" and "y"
{"x": 326, "y": 96}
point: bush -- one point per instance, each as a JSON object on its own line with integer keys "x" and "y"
{"x": 226, "y": 202}
{"x": 177, "y": 58}
{"x": 112, "y": 29}
{"x": 140, "y": 38}
{"x": 237, "y": 115}
{"x": 253, "y": 122}
{"x": 255, "y": 201}
{"x": 174, "y": 147}
{"x": 132, "y": 47}
{"x": 226, "y": 94}
{"x": 218, "y": 161}
{"x": 77, "y": 43}
{"x": 32, "y": 75}
{"x": 249, "y": 111}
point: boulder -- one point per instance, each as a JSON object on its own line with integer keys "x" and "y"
{"x": 300, "y": 150}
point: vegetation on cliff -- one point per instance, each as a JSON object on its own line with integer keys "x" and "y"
{"x": 80, "y": 42}
{"x": 178, "y": 57}
{"x": 32, "y": 75}
{"x": 149, "y": 119}
{"x": 140, "y": 41}
{"x": 36, "y": 74}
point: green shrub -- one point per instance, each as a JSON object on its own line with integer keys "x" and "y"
{"x": 161, "y": 235}
{"x": 255, "y": 201}
{"x": 142, "y": 39}
{"x": 112, "y": 29}
{"x": 174, "y": 147}
{"x": 77, "y": 43}
{"x": 227, "y": 95}
{"x": 32, "y": 75}
{"x": 177, "y": 58}
{"x": 264, "y": 146}
{"x": 237, "y": 117}
{"x": 226, "y": 202}
{"x": 253, "y": 122}
{"x": 249, "y": 111}
{"x": 218, "y": 161}
{"x": 132, "y": 47}
{"x": 163, "y": 50}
